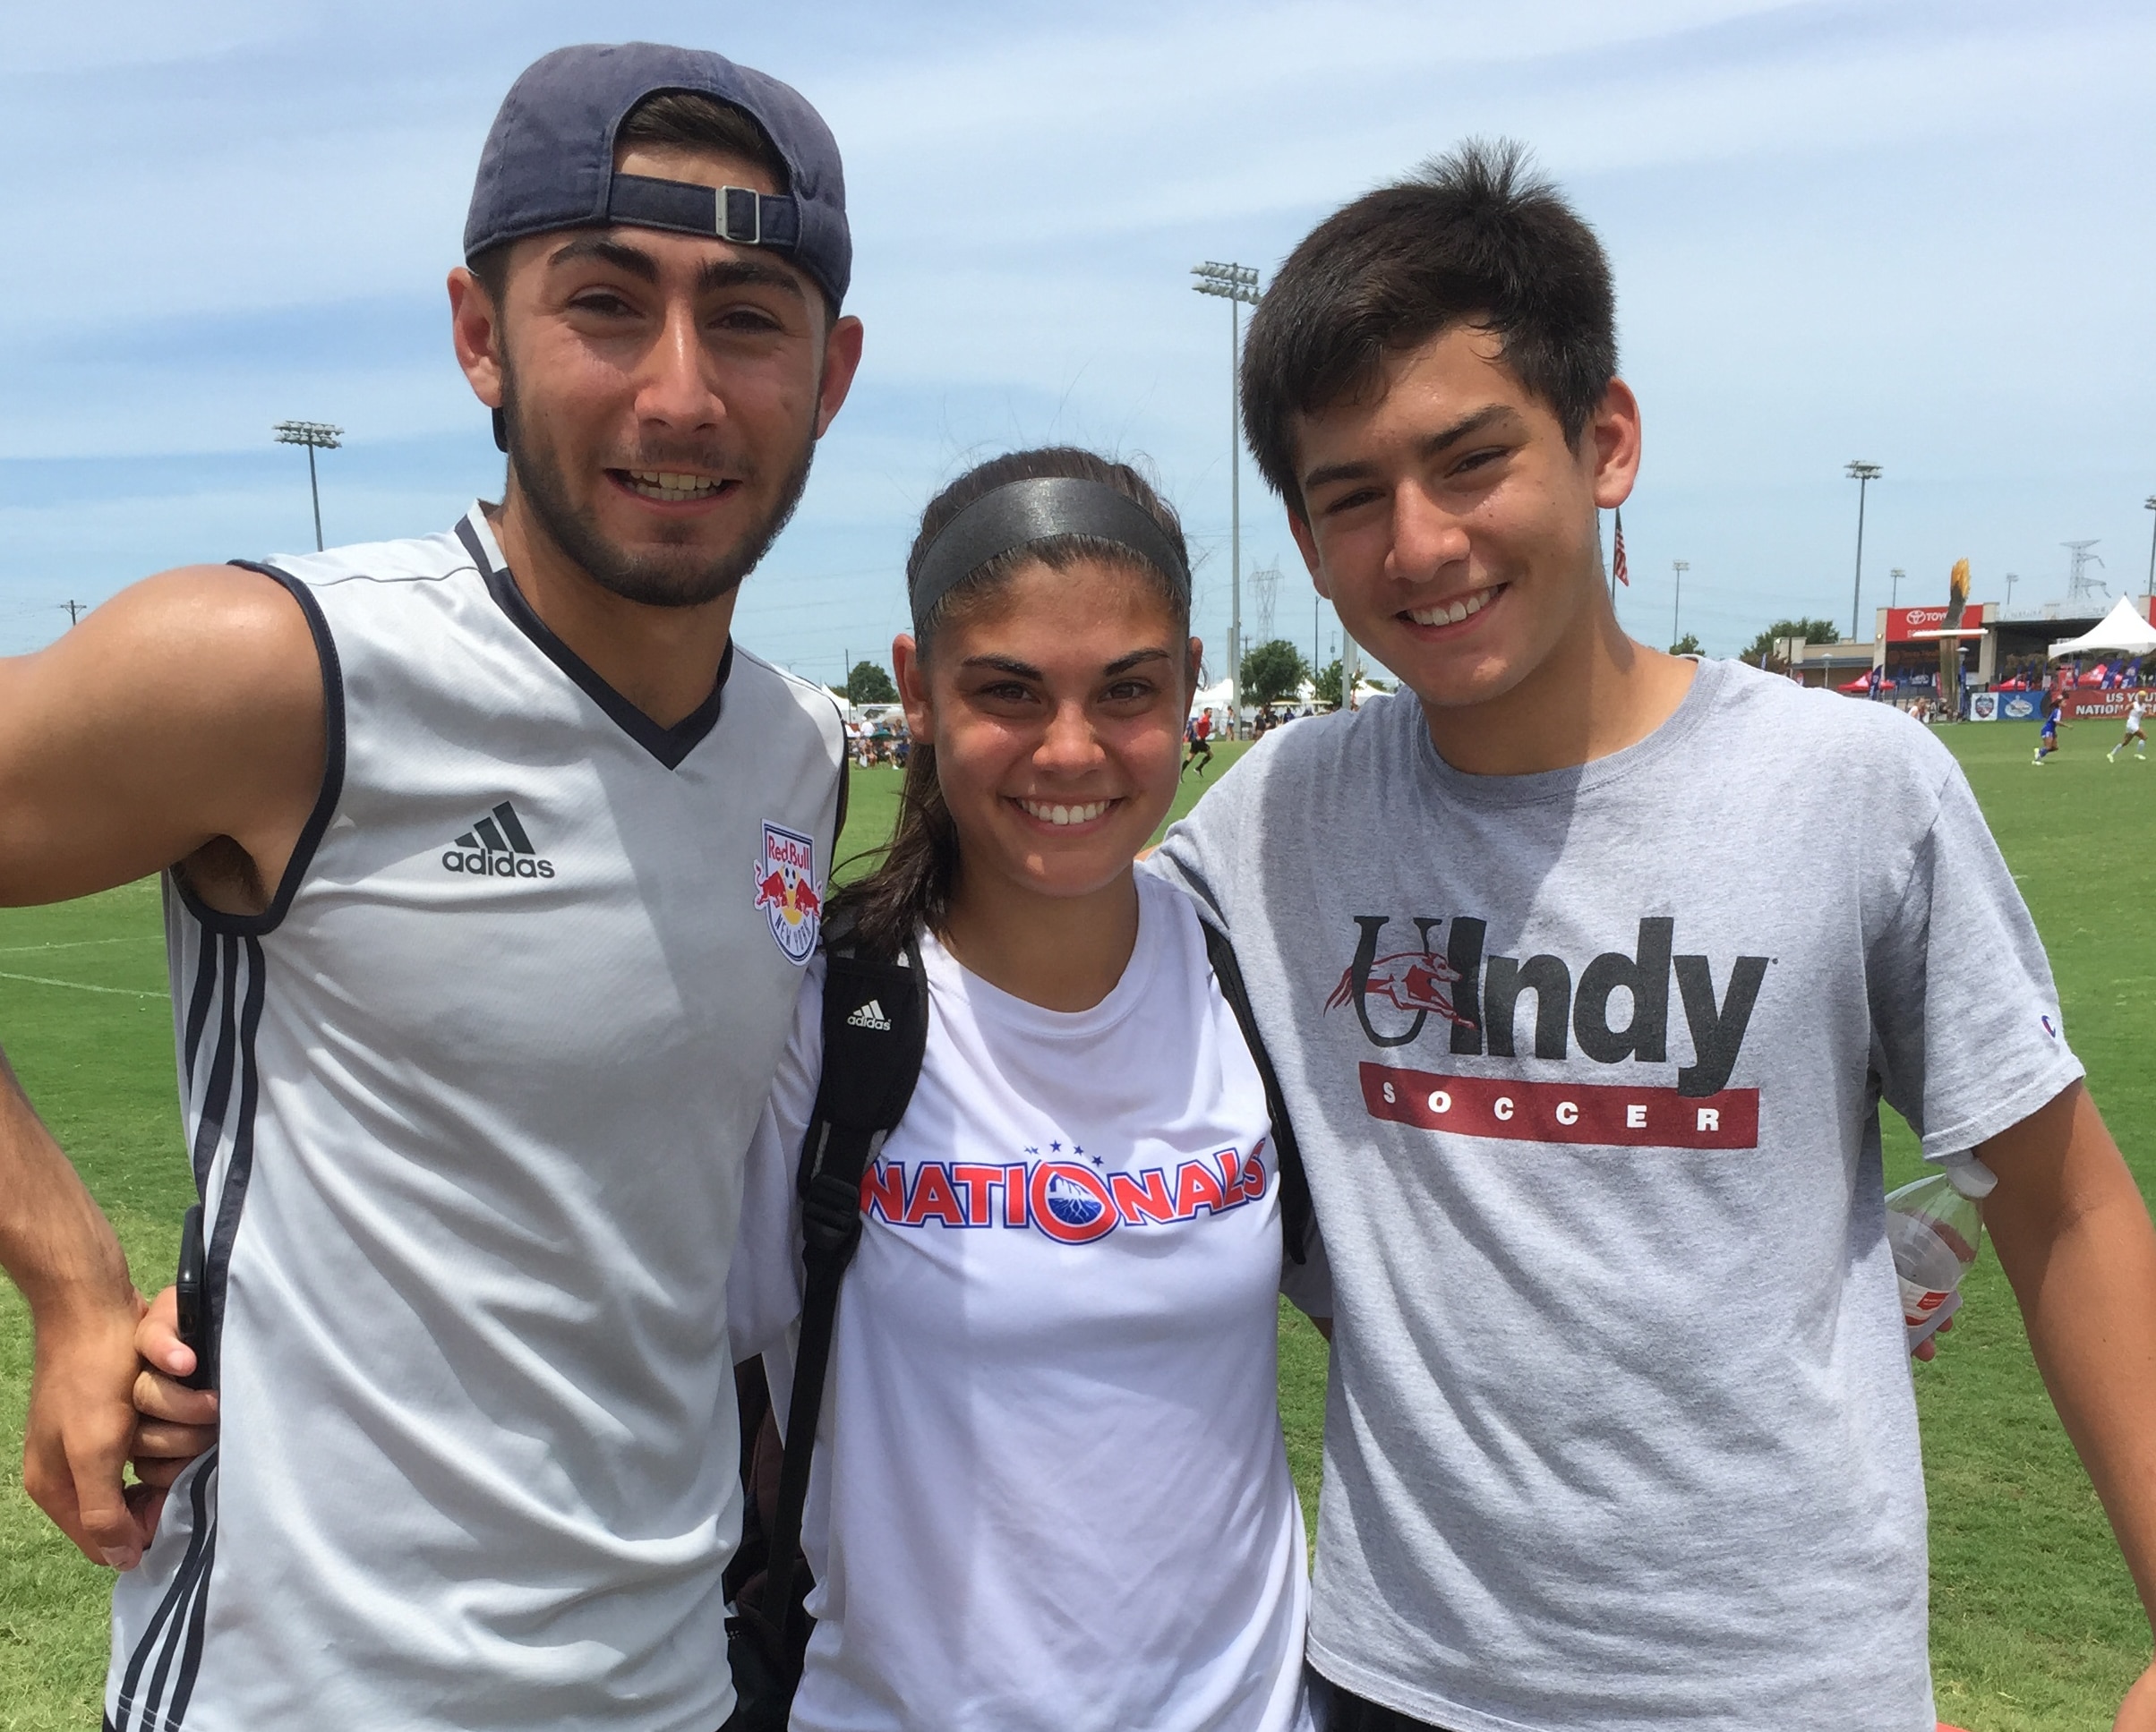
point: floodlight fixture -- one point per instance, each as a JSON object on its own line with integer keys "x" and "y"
{"x": 1237, "y": 284}
{"x": 1864, "y": 474}
{"x": 316, "y": 435}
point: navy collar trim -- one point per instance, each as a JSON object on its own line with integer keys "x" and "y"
{"x": 671, "y": 745}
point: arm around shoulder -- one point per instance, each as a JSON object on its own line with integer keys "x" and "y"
{"x": 187, "y": 710}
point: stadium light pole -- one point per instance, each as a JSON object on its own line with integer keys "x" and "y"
{"x": 316, "y": 435}
{"x": 1864, "y": 474}
{"x": 1893, "y": 595}
{"x": 1677, "y": 605}
{"x": 2149, "y": 504}
{"x": 1237, "y": 284}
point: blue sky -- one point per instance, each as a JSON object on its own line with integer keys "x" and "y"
{"x": 1915, "y": 233}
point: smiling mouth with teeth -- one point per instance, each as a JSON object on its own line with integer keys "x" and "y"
{"x": 668, "y": 487}
{"x": 1063, "y": 815}
{"x": 1451, "y": 613}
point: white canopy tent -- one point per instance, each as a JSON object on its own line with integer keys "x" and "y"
{"x": 2122, "y": 631}
{"x": 1219, "y": 697}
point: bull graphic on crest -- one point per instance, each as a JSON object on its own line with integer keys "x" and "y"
{"x": 785, "y": 890}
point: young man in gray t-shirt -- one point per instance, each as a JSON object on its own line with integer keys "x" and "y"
{"x": 1586, "y": 970}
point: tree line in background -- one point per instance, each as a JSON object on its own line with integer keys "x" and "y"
{"x": 1761, "y": 652}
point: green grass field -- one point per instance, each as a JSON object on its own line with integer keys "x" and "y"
{"x": 2034, "y": 1621}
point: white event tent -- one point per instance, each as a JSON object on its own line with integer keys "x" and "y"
{"x": 2122, "y": 631}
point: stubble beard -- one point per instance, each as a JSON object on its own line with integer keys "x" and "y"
{"x": 685, "y": 578}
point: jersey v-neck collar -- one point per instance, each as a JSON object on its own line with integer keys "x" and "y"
{"x": 671, "y": 745}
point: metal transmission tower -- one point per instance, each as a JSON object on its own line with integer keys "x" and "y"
{"x": 316, "y": 435}
{"x": 2080, "y": 586}
{"x": 1237, "y": 284}
{"x": 1265, "y": 584}
{"x": 1864, "y": 474}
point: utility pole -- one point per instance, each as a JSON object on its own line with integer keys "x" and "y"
{"x": 316, "y": 435}
{"x": 2151, "y": 503}
{"x": 1237, "y": 284}
{"x": 1677, "y": 606}
{"x": 1864, "y": 474}
{"x": 2011, "y": 580}
{"x": 75, "y": 610}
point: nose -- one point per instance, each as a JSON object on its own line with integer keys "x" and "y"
{"x": 1427, "y": 537}
{"x": 674, "y": 390}
{"x": 1070, "y": 748}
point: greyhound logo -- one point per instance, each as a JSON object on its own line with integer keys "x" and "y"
{"x": 1407, "y": 980}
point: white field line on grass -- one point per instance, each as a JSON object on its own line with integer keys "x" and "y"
{"x": 82, "y": 943}
{"x": 80, "y": 985}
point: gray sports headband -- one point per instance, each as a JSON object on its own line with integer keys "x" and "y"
{"x": 1021, "y": 513}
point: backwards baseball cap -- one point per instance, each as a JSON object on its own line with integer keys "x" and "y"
{"x": 548, "y": 161}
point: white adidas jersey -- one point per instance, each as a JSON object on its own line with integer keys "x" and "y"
{"x": 468, "y": 1107}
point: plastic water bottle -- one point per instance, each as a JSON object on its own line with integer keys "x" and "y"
{"x": 1935, "y": 1230}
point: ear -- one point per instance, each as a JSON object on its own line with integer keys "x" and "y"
{"x": 911, "y": 674}
{"x": 1197, "y": 661}
{"x": 1612, "y": 442}
{"x": 475, "y": 328}
{"x": 842, "y": 359}
{"x": 1306, "y": 545}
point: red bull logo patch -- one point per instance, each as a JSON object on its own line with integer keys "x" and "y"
{"x": 786, "y": 891}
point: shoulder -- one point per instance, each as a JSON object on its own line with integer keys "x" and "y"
{"x": 413, "y": 558}
{"x": 752, "y": 674}
{"x": 1860, "y": 749}
{"x": 233, "y": 635}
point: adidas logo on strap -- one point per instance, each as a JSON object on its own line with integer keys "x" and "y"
{"x": 870, "y": 1016}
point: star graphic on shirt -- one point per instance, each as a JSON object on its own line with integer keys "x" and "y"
{"x": 1097, "y": 1160}
{"x": 1055, "y": 1148}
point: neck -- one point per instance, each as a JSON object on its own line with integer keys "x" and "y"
{"x": 1596, "y": 693}
{"x": 662, "y": 660}
{"x": 1060, "y": 953}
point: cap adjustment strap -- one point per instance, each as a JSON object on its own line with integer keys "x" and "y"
{"x": 738, "y": 214}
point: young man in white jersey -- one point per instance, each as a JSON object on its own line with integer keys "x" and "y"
{"x": 1583, "y": 997}
{"x": 2136, "y": 713}
{"x": 491, "y": 868}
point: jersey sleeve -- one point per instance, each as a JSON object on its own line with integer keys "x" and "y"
{"x": 1968, "y": 1038}
{"x": 763, "y": 1282}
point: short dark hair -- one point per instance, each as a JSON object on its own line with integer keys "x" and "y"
{"x": 1475, "y": 237}
{"x": 683, "y": 119}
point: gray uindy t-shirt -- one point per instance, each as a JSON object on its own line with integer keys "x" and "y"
{"x": 1585, "y": 1067}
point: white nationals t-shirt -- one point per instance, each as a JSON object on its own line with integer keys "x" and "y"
{"x": 1050, "y": 1490}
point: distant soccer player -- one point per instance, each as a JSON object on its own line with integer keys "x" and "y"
{"x": 1200, "y": 734}
{"x": 2136, "y": 713}
{"x": 2047, "y": 741}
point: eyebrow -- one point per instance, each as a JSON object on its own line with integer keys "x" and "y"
{"x": 1017, "y": 670}
{"x": 715, "y": 273}
{"x": 1466, "y": 427}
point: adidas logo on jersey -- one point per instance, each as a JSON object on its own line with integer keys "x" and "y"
{"x": 870, "y": 1016}
{"x": 496, "y": 847}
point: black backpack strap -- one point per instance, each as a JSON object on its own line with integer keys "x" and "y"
{"x": 876, "y": 1031}
{"x": 1294, "y": 1185}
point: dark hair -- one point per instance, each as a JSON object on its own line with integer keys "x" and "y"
{"x": 911, "y": 887}
{"x": 1473, "y": 237}
{"x": 681, "y": 119}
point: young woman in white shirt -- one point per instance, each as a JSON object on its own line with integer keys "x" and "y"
{"x": 1049, "y": 1487}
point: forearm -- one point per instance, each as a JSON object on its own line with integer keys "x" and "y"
{"x": 2081, "y": 1254}
{"x": 54, "y": 1242}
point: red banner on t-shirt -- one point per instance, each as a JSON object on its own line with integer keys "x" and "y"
{"x": 1562, "y": 1112}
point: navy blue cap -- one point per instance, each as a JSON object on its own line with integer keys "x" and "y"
{"x": 549, "y": 161}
